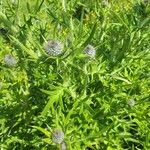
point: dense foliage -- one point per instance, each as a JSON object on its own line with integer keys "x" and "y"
{"x": 74, "y": 74}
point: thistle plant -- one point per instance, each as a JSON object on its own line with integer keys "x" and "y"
{"x": 90, "y": 51}
{"x": 54, "y": 47}
{"x": 10, "y": 60}
{"x": 101, "y": 98}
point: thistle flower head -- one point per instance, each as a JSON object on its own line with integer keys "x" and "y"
{"x": 105, "y": 2}
{"x": 10, "y": 60}
{"x": 53, "y": 47}
{"x": 131, "y": 102}
{"x": 57, "y": 136}
{"x": 90, "y": 51}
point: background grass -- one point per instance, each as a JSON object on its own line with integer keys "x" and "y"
{"x": 89, "y": 99}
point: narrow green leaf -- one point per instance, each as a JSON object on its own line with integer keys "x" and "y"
{"x": 28, "y": 7}
{"x": 7, "y": 23}
{"x": 145, "y": 22}
{"x": 47, "y": 133}
{"x": 55, "y": 97}
{"x": 75, "y": 105}
{"x": 91, "y": 35}
{"x": 38, "y": 6}
{"x": 122, "y": 79}
{"x": 47, "y": 140}
{"x": 27, "y": 50}
{"x": 48, "y": 106}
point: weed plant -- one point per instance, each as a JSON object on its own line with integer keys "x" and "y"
{"x": 74, "y": 75}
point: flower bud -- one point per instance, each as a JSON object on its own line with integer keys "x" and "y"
{"x": 10, "y": 60}
{"x": 53, "y": 47}
{"x": 90, "y": 51}
{"x": 57, "y": 136}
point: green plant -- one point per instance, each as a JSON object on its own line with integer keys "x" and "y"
{"x": 93, "y": 85}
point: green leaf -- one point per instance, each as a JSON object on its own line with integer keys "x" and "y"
{"x": 122, "y": 79}
{"x": 47, "y": 140}
{"x": 47, "y": 133}
{"x": 145, "y": 23}
{"x": 55, "y": 96}
{"x": 38, "y": 6}
{"x": 27, "y": 50}
{"x": 7, "y": 23}
{"x": 88, "y": 40}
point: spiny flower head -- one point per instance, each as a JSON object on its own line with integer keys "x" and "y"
{"x": 131, "y": 102}
{"x": 53, "y": 47}
{"x": 105, "y": 2}
{"x": 57, "y": 136}
{"x": 10, "y": 60}
{"x": 90, "y": 51}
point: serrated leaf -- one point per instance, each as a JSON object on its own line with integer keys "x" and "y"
{"x": 54, "y": 97}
